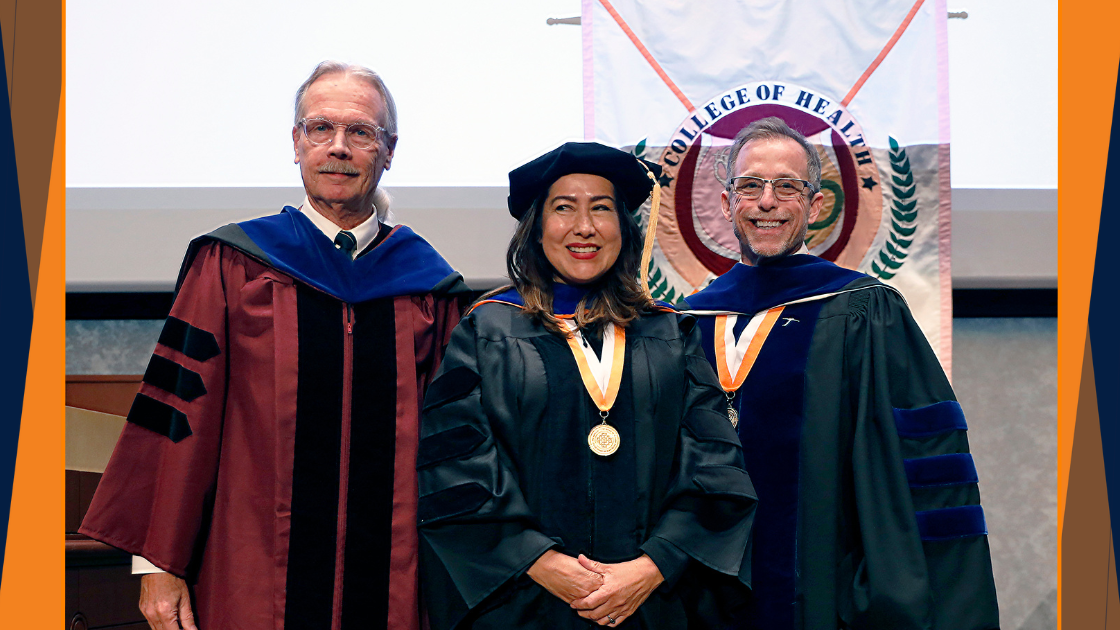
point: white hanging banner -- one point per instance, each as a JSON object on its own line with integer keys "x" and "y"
{"x": 865, "y": 80}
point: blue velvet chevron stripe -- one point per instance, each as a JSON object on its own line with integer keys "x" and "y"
{"x": 953, "y": 469}
{"x": 935, "y": 419}
{"x": 941, "y": 470}
{"x": 950, "y": 523}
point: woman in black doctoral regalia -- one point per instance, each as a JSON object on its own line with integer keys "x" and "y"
{"x": 576, "y": 462}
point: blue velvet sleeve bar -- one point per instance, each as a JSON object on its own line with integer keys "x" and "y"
{"x": 949, "y": 523}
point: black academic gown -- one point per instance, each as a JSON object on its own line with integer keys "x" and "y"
{"x": 869, "y": 511}
{"x": 506, "y": 474}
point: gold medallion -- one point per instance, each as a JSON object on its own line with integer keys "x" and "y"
{"x": 733, "y": 416}
{"x": 603, "y": 440}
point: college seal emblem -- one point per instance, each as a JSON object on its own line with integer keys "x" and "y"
{"x": 695, "y": 243}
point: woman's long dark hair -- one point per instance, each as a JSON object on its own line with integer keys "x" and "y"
{"x": 617, "y": 297}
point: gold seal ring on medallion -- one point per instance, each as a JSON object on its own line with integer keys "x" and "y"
{"x": 603, "y": 440}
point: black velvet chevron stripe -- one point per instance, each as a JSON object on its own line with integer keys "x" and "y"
{"x": 721, "y": 480}
{"x": 931, "y": 420}
{"x": 448, "y": 444}
{"x": 451, "y": 386}
{"x": 196, "y": 343}
{"x": 174, "y": 378}
{"x": 949, "y": 523}
{"x": 461, "y": 499}
{"x": 708, "y": 426}
{"x": 159, "y": 417}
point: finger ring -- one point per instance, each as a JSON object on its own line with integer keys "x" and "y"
{"x": 611, "y": 618}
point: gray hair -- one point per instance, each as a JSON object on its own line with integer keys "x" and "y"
{"x": 354, "y": 70}
{"x": 382, "y": 201}
{"x": 773, "y": 128}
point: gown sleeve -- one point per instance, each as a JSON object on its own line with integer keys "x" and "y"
{"x": 158, "y": 487}
{"x": 709, "y": 509}
{"x": 925, "y": 559}
{"x": 476, "y": 529}
{"x": 437, "y": 316}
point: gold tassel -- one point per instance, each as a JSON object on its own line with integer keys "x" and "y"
{"x": 651, "y": 229}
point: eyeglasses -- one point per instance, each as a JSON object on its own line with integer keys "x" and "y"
{"x": 322, "y": 131}
{"x": 785, "y": 188}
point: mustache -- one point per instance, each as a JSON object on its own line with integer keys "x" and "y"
{"x": 339, "y": 167}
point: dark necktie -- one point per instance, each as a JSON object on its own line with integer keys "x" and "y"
{"x": 346, "y": 242}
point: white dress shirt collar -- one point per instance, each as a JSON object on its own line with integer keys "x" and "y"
{"x": 365, "y": 232}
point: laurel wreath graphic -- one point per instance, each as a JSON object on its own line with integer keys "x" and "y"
{"x": 659, "y": 287}
{"x": 904, "y": 215}
{"x": 639, "y": 149}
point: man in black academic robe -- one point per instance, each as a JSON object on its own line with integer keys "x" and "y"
{"x": 869, "y": 514}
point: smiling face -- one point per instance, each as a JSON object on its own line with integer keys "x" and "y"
{"x": 580, "y": 232}
{"x": 769, "y": 227}
{"x": 339, "y": 179}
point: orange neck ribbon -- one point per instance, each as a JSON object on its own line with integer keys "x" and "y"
{"x": 730, "y": 356}
{"x": 601, "y": 384}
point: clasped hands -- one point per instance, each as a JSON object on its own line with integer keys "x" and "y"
{"x": 604, "y": 593}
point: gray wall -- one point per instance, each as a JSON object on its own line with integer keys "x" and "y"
{"x": 1001, "y": 238}
{"x": 1006, "y": 378}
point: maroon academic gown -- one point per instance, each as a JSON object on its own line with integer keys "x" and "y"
{"x": 269, "y": 458}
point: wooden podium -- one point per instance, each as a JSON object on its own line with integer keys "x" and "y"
{"x": 101, "y": 591}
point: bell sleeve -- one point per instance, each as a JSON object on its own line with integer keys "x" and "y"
{"x": 476, "y": 529}
{"x": 925, "y": 560}
{"x": 709, "y": 509}
{"x": 158, "y": 487}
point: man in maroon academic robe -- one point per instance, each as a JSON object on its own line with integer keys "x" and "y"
{"x": 268, "y": 465}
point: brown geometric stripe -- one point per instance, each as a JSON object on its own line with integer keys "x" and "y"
{"x": 1089, "y": 594}
{"x": 33, "y": 57}
{"x": 8, "y": 30}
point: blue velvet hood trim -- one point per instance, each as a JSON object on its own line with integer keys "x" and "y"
{"x": 565, "y": 298}
{"x": 402, "y": 264}
{"x": 752, "y": 289}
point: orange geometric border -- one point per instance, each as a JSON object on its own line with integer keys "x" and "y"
{"x": 33, "y": 569}
{"x": 32, "y": 587}
{"x": 1087, "y": 68}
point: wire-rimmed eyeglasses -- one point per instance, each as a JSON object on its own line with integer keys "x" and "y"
{"x": 323, "y": 131}
{"x": 785, "y": 188}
